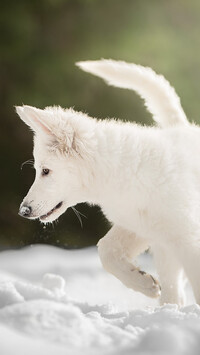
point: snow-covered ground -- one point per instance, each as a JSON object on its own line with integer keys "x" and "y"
{"x": 56, "y": 302}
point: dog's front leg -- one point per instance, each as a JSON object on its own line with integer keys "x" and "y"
{"x": 189, "y": 254}
{"x": 170, "y": 272}
{"x": 117, "y": 250}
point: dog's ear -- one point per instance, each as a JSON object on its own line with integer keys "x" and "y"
{"x": 69, "y": 131}
{"x": 38, "y": 120}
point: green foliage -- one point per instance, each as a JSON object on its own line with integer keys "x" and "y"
{"x": 41, "y": 41}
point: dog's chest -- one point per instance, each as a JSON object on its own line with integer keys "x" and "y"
{"x": 135, "y": 218}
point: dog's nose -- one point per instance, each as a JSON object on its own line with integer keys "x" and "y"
{"x": 25, "y": 211}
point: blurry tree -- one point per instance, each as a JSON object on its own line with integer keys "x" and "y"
{"x": 39, "y": 43}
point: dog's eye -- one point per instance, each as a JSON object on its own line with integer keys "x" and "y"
{"x": 45, "y": 172}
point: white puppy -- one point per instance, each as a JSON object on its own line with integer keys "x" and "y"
{"x": 146, "y": 180}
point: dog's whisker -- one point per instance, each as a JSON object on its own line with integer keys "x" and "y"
{"x": 77, "y": 213}
{"x": 83, "y": 215}
{"x": 27, "y": 162}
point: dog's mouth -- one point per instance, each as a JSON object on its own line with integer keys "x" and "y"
{"x": 45, "y": 216}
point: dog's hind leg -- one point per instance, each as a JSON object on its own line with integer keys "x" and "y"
{"x": 117, "y": 250}
{"x": 171, "y": 276}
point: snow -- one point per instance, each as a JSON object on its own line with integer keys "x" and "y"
{"x": 56, "y": 302}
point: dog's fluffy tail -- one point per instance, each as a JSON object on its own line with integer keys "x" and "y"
{"x": 160, "y": 98}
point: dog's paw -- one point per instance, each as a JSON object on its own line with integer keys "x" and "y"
{"x": 146, "y": 283}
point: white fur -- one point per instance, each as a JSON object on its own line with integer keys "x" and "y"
{"x": 146, "y": 180}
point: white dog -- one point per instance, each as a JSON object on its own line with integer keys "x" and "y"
{"x": 146, "y": 180}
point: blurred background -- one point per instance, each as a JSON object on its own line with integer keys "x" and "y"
{"x": 40, "y": 41}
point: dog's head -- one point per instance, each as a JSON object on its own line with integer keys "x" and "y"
{"x": 63, "y": 149}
